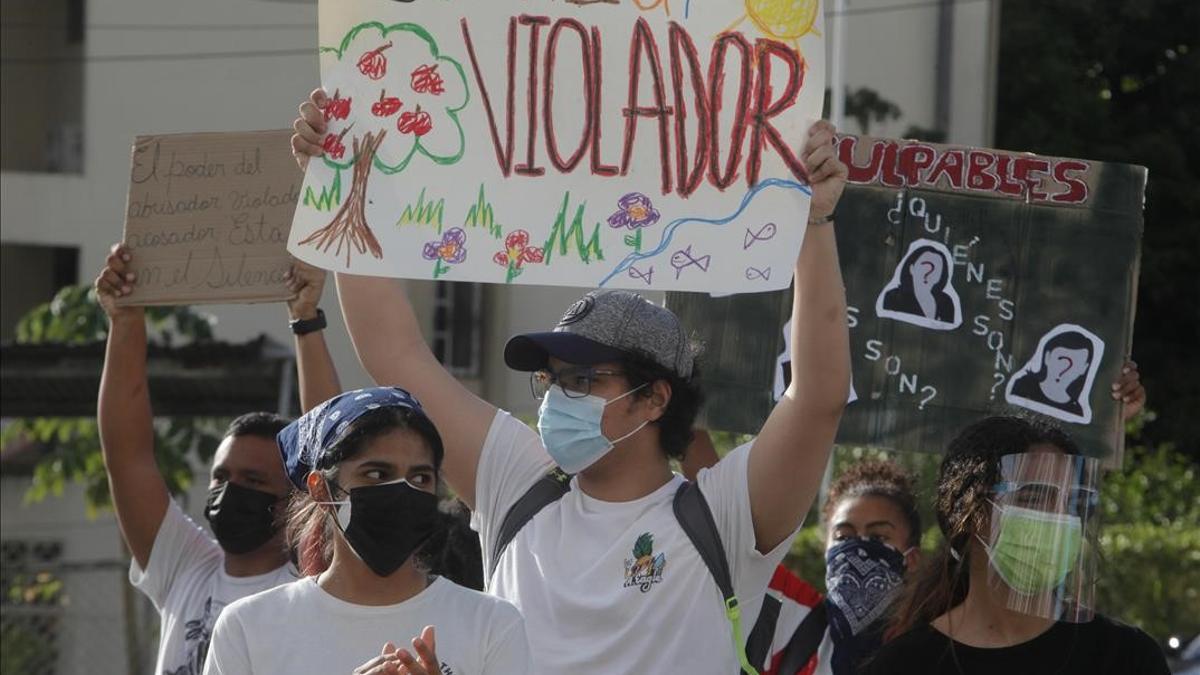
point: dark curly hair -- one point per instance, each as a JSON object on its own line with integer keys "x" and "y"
{"x": 969, "y": 472}
{"x": 675, "y": 426}
{"x": 877, "y": 479}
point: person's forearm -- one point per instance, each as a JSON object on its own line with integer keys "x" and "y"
{"x": 820, "y": 335}
{"x": 139, "y": 492}
{"x": 123, "y": 408}
{"x": 317, "y": 374}
{"x": 380, "y": 335}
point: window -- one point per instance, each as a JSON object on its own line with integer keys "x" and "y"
{"x": 457, "y": 334}
{"x": 31, "y": 275}
{"x": 41, "y": 91}
{"x": 31, "y": 609}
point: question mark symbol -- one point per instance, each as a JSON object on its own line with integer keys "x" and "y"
{"x": 930, "y": 392}
{"x": 999, "y": 377}
{"x": 931, "y": 266}
{"x": 1070, "y": 363}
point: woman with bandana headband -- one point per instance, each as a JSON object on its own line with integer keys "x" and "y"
{"x": 366, "y": 466}
{"x": 1009, "y": 591}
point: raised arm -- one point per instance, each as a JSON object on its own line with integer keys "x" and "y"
{"x": 789, "y": 457}
{"x": 390, "y": 346}
{"x": 139, "y": 492}
{"x": 317, "y": 374}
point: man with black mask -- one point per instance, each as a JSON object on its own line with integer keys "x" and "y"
{"x": 189, "y": 577}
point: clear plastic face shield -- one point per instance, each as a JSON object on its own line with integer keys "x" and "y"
{"x": 1041, "y": 544}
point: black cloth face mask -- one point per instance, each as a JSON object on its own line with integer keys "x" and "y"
{"x": 242, "y": 519}
{"x": 386, "y": 523}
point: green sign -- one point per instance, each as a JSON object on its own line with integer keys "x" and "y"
{"x": 978, "y": 282}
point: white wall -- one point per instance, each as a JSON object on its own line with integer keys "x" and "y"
{"x": 891, "y": 47}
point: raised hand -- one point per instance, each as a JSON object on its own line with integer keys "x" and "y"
{"x": 310, "y": 129}
{"x": 116, "y": 281}
{"x": 826, "y": 174}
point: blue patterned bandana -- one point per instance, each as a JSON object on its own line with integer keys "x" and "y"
{"x": 862, "y": 576}
{"x": 304, "y": 442}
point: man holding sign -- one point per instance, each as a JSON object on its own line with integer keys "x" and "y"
{"x": 604, "y": 572}
{"x": 189, "y": 577}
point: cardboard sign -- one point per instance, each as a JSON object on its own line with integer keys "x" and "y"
{"x": 208, "y": 217}
{"x": 621, "y": 144}
{"x": 979, "y": 282}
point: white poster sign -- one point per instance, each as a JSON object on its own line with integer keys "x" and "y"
{"x": 616, "y": 143}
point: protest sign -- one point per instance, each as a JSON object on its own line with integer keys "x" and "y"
{"x": 621, "y": 144}
{"x": 208, "y": 216}
{"x": 978, "y": 282}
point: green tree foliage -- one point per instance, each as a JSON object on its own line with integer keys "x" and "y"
{"x": 1119, "y": 81}
{"x": 74, "y": 317}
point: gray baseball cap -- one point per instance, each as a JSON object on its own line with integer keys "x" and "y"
{"x": 606, "y": 326}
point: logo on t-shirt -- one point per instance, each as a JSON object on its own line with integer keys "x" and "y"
{"x": 196, "y": 639}
{"x": 645, "y": 569}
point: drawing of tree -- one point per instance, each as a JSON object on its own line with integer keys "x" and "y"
{"x": 397, "y": 97}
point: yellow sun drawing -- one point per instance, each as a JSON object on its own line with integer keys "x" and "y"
{"x": 783, "y": 20}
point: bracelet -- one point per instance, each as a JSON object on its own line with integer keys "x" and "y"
{"x": 306, "y": 326}
{"x": 822, "y": 220}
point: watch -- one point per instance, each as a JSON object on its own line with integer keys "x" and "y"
{"x": 306, "y": 326}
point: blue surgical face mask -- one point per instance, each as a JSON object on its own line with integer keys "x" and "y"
{"x": 570, "y": 428}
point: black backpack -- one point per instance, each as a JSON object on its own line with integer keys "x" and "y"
{"x": 696, "y": 519}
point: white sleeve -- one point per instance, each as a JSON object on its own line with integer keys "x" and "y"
{"x": 228, "y": 653}
{"x": 179, "y": 547}
{"x": 726, "y": 487}
{"x": 509, "y": 653}
{"x": 511, "y": 461}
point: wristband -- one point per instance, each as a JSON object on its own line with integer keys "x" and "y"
{"x": 306, "y": 326}
{"x": 820, "y": 221}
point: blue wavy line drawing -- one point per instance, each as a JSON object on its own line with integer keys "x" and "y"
{"x": 669, "y": 231}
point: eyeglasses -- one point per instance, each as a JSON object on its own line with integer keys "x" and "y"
{"x": 1081, "y": 501}
{"x": 575, "y": 381}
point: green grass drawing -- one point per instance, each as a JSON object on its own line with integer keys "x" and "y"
{"x": 423, "y": 212}
{"x": 329, "y": 198}
{"x": 481, "y": 214}
{"x": 634, "y": 240}
{"x": 563, "y": 236}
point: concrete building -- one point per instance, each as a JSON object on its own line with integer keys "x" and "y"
{"x": 82, "y": 78}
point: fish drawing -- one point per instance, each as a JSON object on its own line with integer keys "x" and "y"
{"x": 647, "y": 276}
{"x": 753, "y": 273}
{"x": 684, "y": 258}
{"x": 764, "y": 233}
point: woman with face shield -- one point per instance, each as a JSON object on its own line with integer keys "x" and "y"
{"x": 1011, "y": 589}
{"x": 366, "y": 463}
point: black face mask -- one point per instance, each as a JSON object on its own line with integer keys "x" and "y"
{"x": 388, "y": 523}
{"x": 241, "y": 518}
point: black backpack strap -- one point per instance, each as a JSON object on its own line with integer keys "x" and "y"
{"x": 758, "y": 645}
{"x": 696, "y": 519}
{"x": 805, "y": 642}
{"x": 547, "y": 490}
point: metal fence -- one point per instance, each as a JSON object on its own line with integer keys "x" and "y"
{"x": 63, "y": 618}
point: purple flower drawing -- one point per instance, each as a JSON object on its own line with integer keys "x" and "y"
{"x": 451, "y": 249}
{"x": 634, "y": 211}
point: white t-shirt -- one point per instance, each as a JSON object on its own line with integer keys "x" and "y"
{"x": 299, "y": 628}
{"x": 186, "y": 580}
{"x": 592, "y": 605}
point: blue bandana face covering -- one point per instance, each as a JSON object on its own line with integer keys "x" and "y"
{"x": 863, "y": 576}
{"x": 570, "y": 428}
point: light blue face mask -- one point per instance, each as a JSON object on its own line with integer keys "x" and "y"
{"x": 570, "y": 428}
